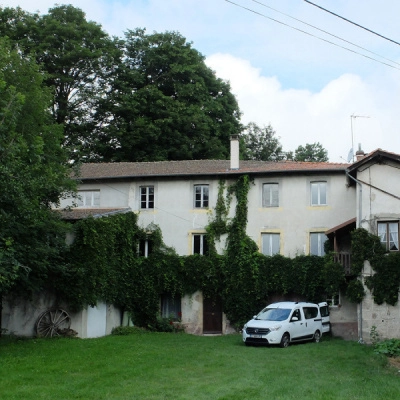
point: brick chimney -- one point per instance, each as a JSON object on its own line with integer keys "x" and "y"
{"x": 360, "y": 153}
{"x": 235, "y": 152}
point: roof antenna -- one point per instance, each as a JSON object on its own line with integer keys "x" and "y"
{"x": 350, "y": 157}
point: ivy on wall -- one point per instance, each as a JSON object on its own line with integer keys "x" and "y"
{"x": 103, "y": 263}
{"x": 384, "y": 284}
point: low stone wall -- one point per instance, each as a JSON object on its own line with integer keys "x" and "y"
{"x": 345, "y": 330}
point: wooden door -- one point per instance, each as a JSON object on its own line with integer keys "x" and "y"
{"x": 212, "y": 315}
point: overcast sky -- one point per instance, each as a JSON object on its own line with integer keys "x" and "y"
{"x": 282, "y": 66}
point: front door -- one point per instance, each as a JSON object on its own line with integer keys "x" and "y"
{"x": 212, "y": 315}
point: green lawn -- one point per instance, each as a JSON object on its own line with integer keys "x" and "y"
{"x": 181, "y": 366}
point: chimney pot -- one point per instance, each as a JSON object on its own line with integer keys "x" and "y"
{"x": 234, "y": 151}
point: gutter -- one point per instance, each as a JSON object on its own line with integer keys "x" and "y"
{"x": 358, "y": 225}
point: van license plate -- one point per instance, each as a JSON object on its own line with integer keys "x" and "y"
{"x": 256, "y": 336}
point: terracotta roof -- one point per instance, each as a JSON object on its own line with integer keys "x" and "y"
{"x": 377, "y": 155}
{"x": 351, "y": 223}
{"x": 201, "y": 167}
{"x": 73, "y": 214}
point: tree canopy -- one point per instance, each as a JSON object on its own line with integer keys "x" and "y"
{"x": 33, "y": 173}
{"x": 166, "y": 104}
{"x": 261, "y": 143}
{"x": 146, "y": 97}
{"x": 78, "y": 58}
{"x": 311, "y": 152}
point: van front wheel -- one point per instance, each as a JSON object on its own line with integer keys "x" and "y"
{"x": 317, "y": 336}
{"x": 285, "y": 340}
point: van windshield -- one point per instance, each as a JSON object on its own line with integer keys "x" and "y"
{"x": 274, "y": 314}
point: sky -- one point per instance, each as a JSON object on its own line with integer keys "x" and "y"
{"x": 311, "y": 75}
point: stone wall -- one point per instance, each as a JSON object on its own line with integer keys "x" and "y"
{"x": 385, "y": 318}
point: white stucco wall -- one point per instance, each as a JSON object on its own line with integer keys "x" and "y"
{"x": 379, "y": 202}
{"x": 19, "y": 316}
{"x": 380, "y": 195}
{"x": 175, "y": 214}
{"x": 295, "y": 218}
{"x": 384, "y": 317}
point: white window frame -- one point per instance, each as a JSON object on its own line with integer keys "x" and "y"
{"x": 88, "y": 198}
{"x": 147, "y": 193}
{"x": 203, "y": 243}
{"x": 319, "y": 193}
{"x": 171, "y": 307}
{"x": 201, "y": 194}
{"x": 389, "y": 235}
{"x": 270, "y": 243}
{"x": 270, "y": 195}
{"x": 145, "y": 248}
{"x": 334, "y": 301}
{"x": 321, "y": 238}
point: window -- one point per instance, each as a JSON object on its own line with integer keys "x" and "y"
{"x": 171, "y": 307}
{"x": 270, "y": 244}
{"x": 324, "y": 310}
{"x": 145, "y": 248}
{"x": 317, "y": 241}
{"x": 88, "y": 198}
{"x": 271, "y": 195}
{"x": 333, "y": 301}
{"x": 310, "y": 312}
{"x": 201, "y": 196}
{"x": 388, "y": 233}
{"x": 147, "y": 197}
{"x": 200, "y": 244}
{"x": 318, "y": 193}
{"x": 296, "y": 314}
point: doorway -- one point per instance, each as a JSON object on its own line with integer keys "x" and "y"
{"x": 212, "y": 315}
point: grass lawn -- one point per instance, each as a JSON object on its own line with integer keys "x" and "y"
{"x": 181, "y": 366}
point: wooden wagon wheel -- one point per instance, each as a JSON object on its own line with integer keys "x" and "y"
{"x": 55, "y": 322}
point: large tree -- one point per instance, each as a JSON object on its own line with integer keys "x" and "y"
{"x": 78, "y": 57}
{"x": 314, "y": 152}
{"x": 166, "y": 104}
{"x": 34, "y": 173}
{"x": 261, "y": 143}
{"x": 144, "y": 98}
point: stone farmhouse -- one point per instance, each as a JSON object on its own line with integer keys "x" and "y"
{"x": 293, "y": 207}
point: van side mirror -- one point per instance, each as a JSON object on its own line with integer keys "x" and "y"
{"x": 294, "y": 319}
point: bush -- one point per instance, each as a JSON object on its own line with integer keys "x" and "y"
{"x": 166, "y": 325}
{"x": 389, "y": 347}
{"x": 127, "y": 330}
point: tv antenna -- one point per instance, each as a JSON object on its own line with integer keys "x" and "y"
{"x": 353, "y": 116}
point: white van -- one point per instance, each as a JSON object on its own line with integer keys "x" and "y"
{"x": 284, "y": 323}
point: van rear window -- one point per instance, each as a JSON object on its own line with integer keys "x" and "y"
{"x": 310, "y": 312}
{"x": 324, "y": 311}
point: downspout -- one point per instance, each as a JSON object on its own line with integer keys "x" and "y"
{"x": 358, "y": 222}
{"x": 358, "y": 225}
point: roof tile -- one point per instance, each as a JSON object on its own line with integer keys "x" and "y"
{"x": 200, "y": 167}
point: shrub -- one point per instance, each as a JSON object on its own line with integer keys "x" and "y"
{"x": 389, "y": 347}
{"x": 166, "y": 325}
{"x": 127, "y": 330}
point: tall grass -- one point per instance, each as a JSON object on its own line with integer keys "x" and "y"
{"x": 181, "y": 366}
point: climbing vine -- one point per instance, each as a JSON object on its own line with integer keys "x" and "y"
{"x": 384, "y": 284}
{"x": 103, "y": 263}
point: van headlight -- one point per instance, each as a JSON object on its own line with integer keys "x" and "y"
{"x": 275, "y": 327}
